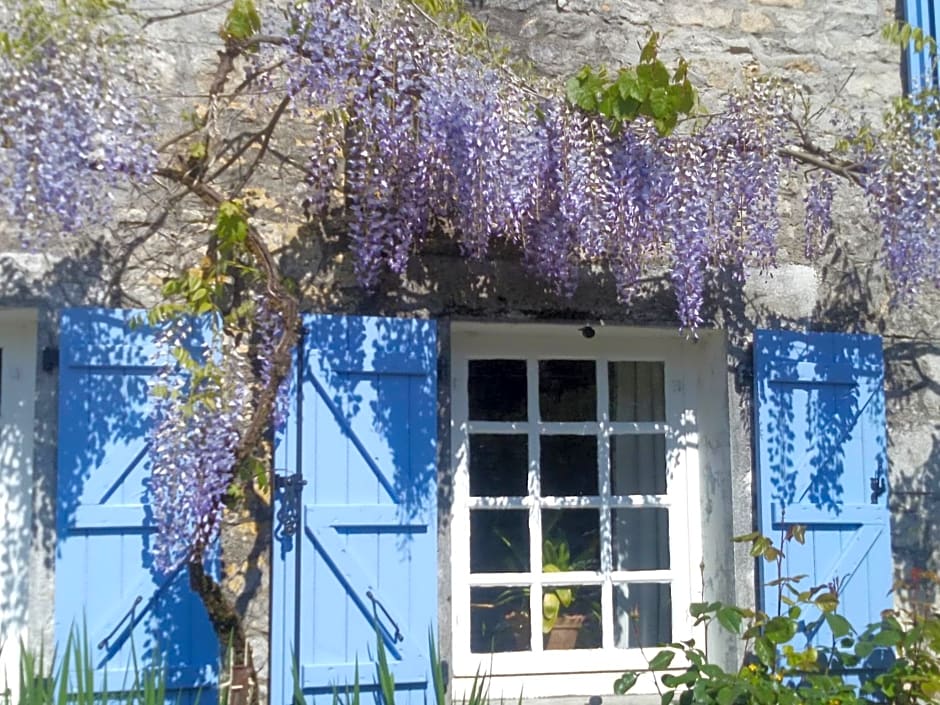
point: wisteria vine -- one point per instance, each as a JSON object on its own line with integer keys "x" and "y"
{"x": 74, "y": 120}
{"x": 433, "y": 135}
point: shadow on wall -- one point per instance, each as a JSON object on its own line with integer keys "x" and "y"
{"x": 857, "y": 299}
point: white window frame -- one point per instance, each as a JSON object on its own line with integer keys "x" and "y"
{"x": 540, "y": 673}
{"x": 17, "y": 412}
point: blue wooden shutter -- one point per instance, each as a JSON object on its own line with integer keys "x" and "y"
{"x": 919, "y": 70}
{"x": 822, "y": 463}
{"x": 363, "y": 436}
{"x": 104, "y": 576}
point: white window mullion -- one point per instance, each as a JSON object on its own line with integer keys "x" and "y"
{"x": 604, "y": 485}
{"x": 460, "y": 527}
{"x": 535, "y": 510}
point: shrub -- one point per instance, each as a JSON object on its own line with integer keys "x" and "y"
{"x": 895, "y": 661}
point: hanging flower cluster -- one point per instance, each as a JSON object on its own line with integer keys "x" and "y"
{"x": 199, "y": 409}
{"x": 71, "y": 121}
{"x": 903, "y": 187}
{"x": 419, "y": 131}
{"x": 435, "y": 134}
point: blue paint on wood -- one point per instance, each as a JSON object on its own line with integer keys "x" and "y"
{"x": 105, "y": 578}
{"x": 820, "y": 420}
{"x": 920, "y": 71}
{"x": 363, "y": 435}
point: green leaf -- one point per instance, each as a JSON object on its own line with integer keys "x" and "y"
{"x": 629, "y": 87}
{"x": 573, "y": 90}
{"x": 726, "y": 695}
{"x": 838, "y": 624}
{"x": 659, "y": 102}
{"x": 667, "y": 697}
{"x": 671, "y": 680}
{"x": 771, "y": 554}
{"x": 765, "y": 651}
{"x": 780, "y": 630}
{"x": 648, "y": 52}
{"x": 551, "y": 605}
{"x": 713, "y": 670}
{"x": 610, "y": 105}
{"x": 887, "y": 637}
{"x": 683, "y": 96}
{"x": 242, "y": 20}
{"x": 661, "y": 661}
{"x": 797, "y": 532}
{"x": 231, "y": 224}
{"x": 730, "y": 619}
{"x": 828, "y": 601}
{"x": 665, "y": 125}
{"x": 565, "y": 596}
{"x": 625, "y": 682}
{"x": 659, "y": 74}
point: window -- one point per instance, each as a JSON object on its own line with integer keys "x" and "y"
{"x": 575, "y": 534}
{"x": 921, "y": 69}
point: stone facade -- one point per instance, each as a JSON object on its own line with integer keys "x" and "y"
{"x": 833, "y": 49}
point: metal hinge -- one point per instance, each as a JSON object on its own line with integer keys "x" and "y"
{"x": 290, "y": 488}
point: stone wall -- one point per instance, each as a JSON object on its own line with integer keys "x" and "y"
{"x": 832, "y": 48}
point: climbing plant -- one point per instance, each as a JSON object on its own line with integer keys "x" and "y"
{"x": 403, "y": 122}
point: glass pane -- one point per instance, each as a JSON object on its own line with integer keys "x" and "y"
{"x": 637, "y": 391}
{"x": 499, "y": 619}
{"x": 567, "y": 390}
{"x": 638, "y": 464}
{"x": 499, "y": 541}
{"x": 642, "y": 615}
{"x": 568, "y": 465}
{"x": 570, "y": 540}
{"x": 640, "y": 538}
{"x": 497, "y": 390}
{"x": 571, "y": 617}
{"x": 499, "y": 465}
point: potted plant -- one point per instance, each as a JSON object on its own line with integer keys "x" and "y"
{"x": 560, "y": 627}
{"x": 562, "y": 618}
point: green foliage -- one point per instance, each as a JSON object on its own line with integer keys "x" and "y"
{"x": 385, "y": 681}
{"x": 556, "y": 558}
{"x": 453, "y": 13}
{"x": 648, "y": 90}
{"x": 203, "y": 290}
{"x": 37, "y": 22}
{"x": 71, "y": 680}
{"x": 779, "y": 668}
{"x": 242, "y": 21}
{"x": 903, "y": 35}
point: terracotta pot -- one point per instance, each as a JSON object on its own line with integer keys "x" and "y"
{"x": 564, "y": 634}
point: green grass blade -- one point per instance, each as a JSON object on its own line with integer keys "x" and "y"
{"x": 383, "y": 672}
{"x": 437, "y": 671}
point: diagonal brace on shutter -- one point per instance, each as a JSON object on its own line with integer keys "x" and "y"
{"x": 325, "y": 524}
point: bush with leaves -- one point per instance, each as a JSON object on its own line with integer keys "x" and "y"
{"x": 894, "y": 661}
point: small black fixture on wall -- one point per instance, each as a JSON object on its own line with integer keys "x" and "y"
{"x": 587, "y": 332}
{"x": 50, "y": 358}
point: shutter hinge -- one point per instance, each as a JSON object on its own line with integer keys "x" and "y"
{"x": 289, "y": 488}
{"x": 878, "y": 488}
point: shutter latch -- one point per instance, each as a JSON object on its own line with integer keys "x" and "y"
{"x": 289, "y": 488}
{"x": 878, "y": 488}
